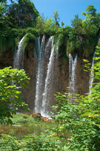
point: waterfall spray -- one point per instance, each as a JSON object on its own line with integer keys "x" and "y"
{"x": 45, "y": 100}
{"x": 72, "y": 75}
{"x": 91, "y": 75}
{"x": 39, "y": 81}
{"x": 19, "y": 55}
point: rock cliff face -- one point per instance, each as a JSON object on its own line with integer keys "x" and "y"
{"x": 60, "y": 80}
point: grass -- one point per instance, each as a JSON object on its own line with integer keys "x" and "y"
{"x": 24, "y": 124}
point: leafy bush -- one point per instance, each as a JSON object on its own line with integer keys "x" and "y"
{"x": 28, "y": 37}
{"x": 60, "y": 39}
{"x": 10, "y": 93}
{"x": 82, "y": 117}
{"x": 31, "y": 142}
{"x": 31, "y": 30}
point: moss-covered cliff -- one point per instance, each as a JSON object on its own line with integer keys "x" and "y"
{"x": 60, "y": 80}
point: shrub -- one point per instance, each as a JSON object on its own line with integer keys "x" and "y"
{"x": 82, "y": 117}
{"x": 10, "y": 93}
{"x": 32, "y": 31}
{"x": 43, "y": 142}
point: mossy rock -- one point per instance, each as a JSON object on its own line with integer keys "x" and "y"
{"x": 36, "y": 115}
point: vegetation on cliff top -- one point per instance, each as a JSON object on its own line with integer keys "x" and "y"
{"x": 18, "y": 19}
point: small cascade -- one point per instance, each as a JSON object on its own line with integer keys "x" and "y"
{"x": 48, "y": 48}
{"x": 48, "y": 81}
{"x": 91, "y": 75}
{"x": 39, "y": 81}
{"x": 72, "y": 74}
{"x": 57, "y": 49}
{"x": 19, "y": 55}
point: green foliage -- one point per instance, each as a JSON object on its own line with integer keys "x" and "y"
{"x": 60, "y": 39}
{"x": 11, "y": 43}
{"x": 77, "y": 23}
{"x": 40, "y": 24}
{"x": 91, "y": 15}
{"x": 61, "y": 46}
{"x": 2, "y": 45}
{"x": 24, "y": 124}
{"x": 28, "y": 37}
{"x": 38, "y": 141}
{"x": 62, "y": 24}
{"x": 84, "y": 37}
{"x": 22, "y": 14}
{"x": 83, "y": 43}
{"x": 82, "y": 117}
{"x": 3, "y": 9}
{"x": 80, "y": 38}
{"x": 10, "y": 93}
{"x": 31, "y": 30}
{"x": 46, "y": 25}
{"x": 9, "y": 38}
{"x": 50, "y": 28}
{"x": 18, "y": 32}
{"x": 32, "y": 142}
{"x": 56, "y": 17}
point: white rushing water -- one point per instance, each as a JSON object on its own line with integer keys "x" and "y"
{"x": 72, "y": 74}
{"x": 45, "y": 100}
{"x": 39, "y": 81}
{"x": 19, "y": 55}
{"x": 91, "y": 75}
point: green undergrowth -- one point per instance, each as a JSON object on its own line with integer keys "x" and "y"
{"x": 10, "y": 38}
{"x": 29, "y": 134}
{"x": 24, "y": 124}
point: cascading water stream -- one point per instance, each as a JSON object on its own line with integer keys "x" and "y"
{"x": 57, "y": 49}
{"x": 19, "y": 54}
{"x": 91, "y": 75}
{"x": 72, "y": 75}
{"x": 45, "y": 100}
{"x": 18, "y": 57}
{"x": 39, "y": 81}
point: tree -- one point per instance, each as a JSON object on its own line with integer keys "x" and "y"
{"x": 62, "y": 24}
{"x": 3, "y": 9}
{"x": 91, "y": 15}
{"x": 22, "y": 14}
{"x": 56, "y": 17}
{"x": 76, "y": 22}
{"x": 40, "y": 23}
{"x": 11, "y": 82}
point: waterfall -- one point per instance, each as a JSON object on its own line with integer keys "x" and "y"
{"x": 91, "y": 75}
{"x": 44, "y": 80}
{"x": 57, "y": 49}
{"x": 72, "y": 75}
{"x": 48, "y": 48}
{"x": 19, "y": 55}
{"x": 48, "y": 81}
{"x": 39, "y": 81}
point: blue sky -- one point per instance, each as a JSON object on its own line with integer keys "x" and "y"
{"x": 67, "y": 9}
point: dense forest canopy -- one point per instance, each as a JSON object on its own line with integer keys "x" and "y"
{"x": 18, "y": 15}
{"x": 21, "y": 17}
